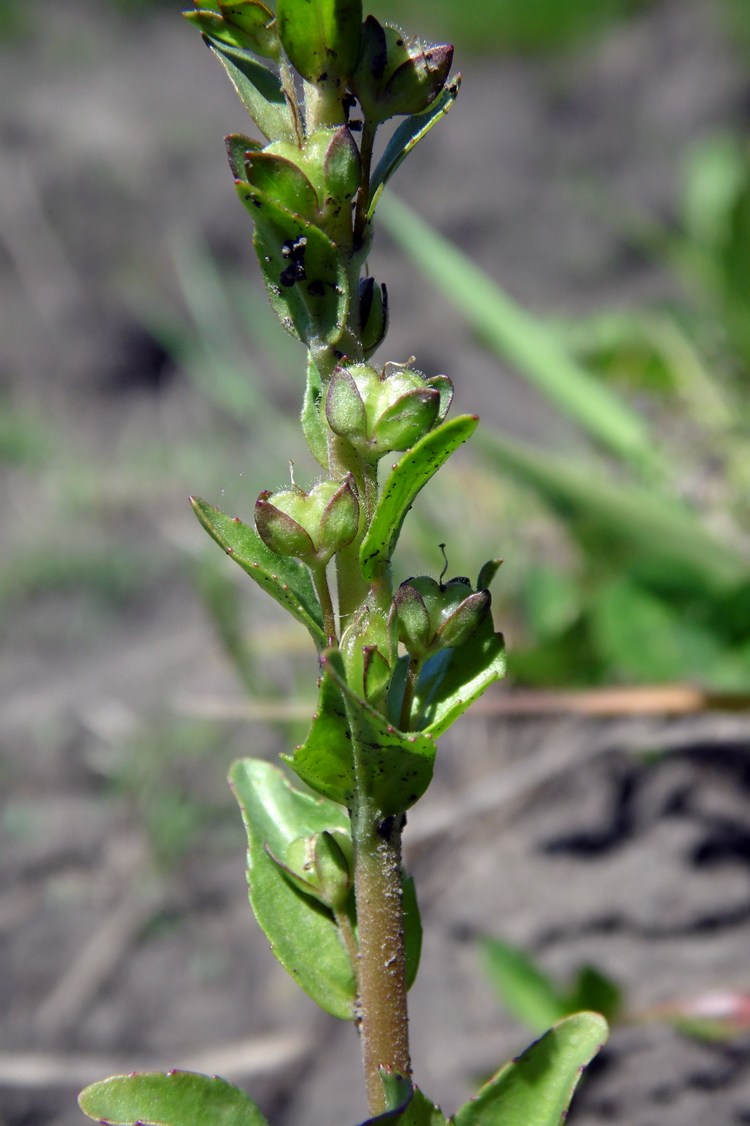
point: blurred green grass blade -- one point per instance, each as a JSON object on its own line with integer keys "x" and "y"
{"x": 652, "y": 527}
{"x": 520, "y": 338}
{"x": 529, "y": 994}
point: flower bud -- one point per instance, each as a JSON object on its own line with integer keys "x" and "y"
{"x": 320, "y": 865}
{"x": 379, "y": 412}
{"x": 309, "y": 526}
{"x": 431, "y": 615}
{"x": 396, "y": 74}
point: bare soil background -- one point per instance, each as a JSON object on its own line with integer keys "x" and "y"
{"x": 125, "y": 935}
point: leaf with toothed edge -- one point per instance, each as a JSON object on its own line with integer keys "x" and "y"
{"x": 397, "y": 765}
{"x": 286, "y": 580}
{"x": 409, "y": 475}
{"x": 302, "y": 932}
{"x": 405, "y": 137}
{"x": 172, "y": 1098}
{"x": 536, "y": 1088}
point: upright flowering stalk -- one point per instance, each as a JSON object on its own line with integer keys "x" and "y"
{"x": 397, "y": 667}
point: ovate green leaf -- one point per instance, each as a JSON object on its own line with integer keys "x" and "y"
{"x": 302, "y": 933}
{"x": 172, "y": 1098}
{"x": 536, "y": 1089}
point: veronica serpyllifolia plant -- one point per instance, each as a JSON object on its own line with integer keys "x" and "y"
{"x": 398, "y": 664}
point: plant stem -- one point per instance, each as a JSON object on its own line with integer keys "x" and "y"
{"x": 326, "y": 603}
{"x": 381, "y": 979}
{"x": 324, "y": 106}
{"x": 343, "y": 459}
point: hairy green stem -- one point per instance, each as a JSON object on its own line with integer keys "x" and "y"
{"x": 324, "y": 105}
{"x": 343, "y": 459}
{"x": 382, "y": 1015}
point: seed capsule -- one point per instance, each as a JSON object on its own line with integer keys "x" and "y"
{"x": 309, "y": 526}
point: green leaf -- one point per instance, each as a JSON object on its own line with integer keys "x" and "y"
{"x": 454, "y": 678}
{"x": 172, "y": 1098}
{"x": 259, "y": 90}
{"x": 520, "y": 338}
{"x": 313, "y": 426}
{"x": 536, "y": 1089}
{"x": 303, "y": 270}
{"x": 403, "y": 140}
{"x": 302, "y": 933}
{"x": 324, "y": 760}
{"x": 321, "y": 37}
{"x": 529, "y": 994}
{"x": 396, "y": 765}
{"x": 286, "y": 580}
{"x": 410, "y": 474}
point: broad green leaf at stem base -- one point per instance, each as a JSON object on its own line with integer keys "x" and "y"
{"x": 536, "y": 1088}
